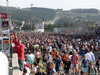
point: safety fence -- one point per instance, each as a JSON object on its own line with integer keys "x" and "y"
{"x": 15, "y": 65}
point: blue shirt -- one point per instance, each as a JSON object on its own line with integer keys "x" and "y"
{"x": 58, "y": 62}
{"x": 53, "y": 71}
{"x": 31, "y": 58}
{"x": 85, "y": 63}
{"x": 82, "y": 52}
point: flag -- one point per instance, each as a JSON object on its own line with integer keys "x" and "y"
{"x": 36, "y": 29}
{"x": 43, "y": 24}
{"x": 14, "y": 24}
{"x": 23, "y": 22}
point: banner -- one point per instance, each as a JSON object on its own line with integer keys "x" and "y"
{"x": 5, "y": 23}
{"x": 3, "y": 15}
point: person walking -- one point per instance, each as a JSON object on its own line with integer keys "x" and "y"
{"x": 19, "y": 49}
{"x": 84, "y": 65}
{"x": 58, "y": 64}
{"x": 53, "y": 71}
{"x": 30, "y": 58}
{"x": 92, "y": 70}
{"x": 75, "y": 60}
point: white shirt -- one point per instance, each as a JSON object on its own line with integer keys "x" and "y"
{"x": 92, "y": 56}
{"x": 35, "y": 69}
{"x": 49, "y": 58}
{"x": 28, "y": 71}
{"x": 88, "y": 57}
{"x": 50, "y": 48}
{"x": 70, "y": 56}
{"x": 97, "y": 44}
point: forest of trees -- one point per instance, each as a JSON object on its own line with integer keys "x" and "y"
{"x": 38, "y": 14}
{"x": 84, "y": 11}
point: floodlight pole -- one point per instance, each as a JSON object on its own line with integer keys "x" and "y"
{"x": 31, "y": 16}
{"x": 7, "y": 3}
{"x": 0, "y": 23}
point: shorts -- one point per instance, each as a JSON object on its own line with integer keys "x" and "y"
{"x": 58, "y": 69}
{"x": 67, "y": 71}
{"x": 85, "y": 69}
{"x": 38, "y": 60}
{"x": 21, "y": 64}
{"x": 74, "y": 66}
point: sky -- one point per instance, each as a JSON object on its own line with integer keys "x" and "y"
{"x": 54, "y": 4}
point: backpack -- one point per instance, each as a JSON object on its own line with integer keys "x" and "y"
{"x": 94, "y": 69}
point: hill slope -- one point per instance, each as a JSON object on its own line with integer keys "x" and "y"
{"x": 51, "y": 16}
{"x": 38, "y": 14}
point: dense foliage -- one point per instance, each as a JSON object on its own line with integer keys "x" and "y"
{"x": 38, "y": 14}
{"x": 59, "y": 17}
{"x": 85, "y": 11}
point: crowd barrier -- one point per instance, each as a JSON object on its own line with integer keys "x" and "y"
{"x": 15, "y": 65}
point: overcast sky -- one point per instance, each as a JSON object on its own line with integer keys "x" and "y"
{"x": 62, "y": 4}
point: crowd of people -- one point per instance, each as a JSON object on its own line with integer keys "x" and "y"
{"x": 51, "y": 54}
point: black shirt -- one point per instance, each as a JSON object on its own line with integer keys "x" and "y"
{"x": 38, "y": 73}
{"x": 98, "y": 65}
{"x": 67, "y": 65}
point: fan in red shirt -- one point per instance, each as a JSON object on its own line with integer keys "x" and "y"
{"x": 14, "y": 34}
{"x": 15, "y": 41}
{"x": 19, "y": 49}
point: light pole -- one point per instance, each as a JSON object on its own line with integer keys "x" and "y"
{"x": 0, "y": 23}
{"x": 31, "y": 16}
{"x": 7, "y": 3}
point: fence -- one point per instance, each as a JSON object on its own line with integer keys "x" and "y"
{"x": 15, "y": 65}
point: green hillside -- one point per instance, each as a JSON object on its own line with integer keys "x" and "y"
{"x": 51, "y": 16}
{"x": 80, "y": 14}
{"x": 38, "y": 14}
